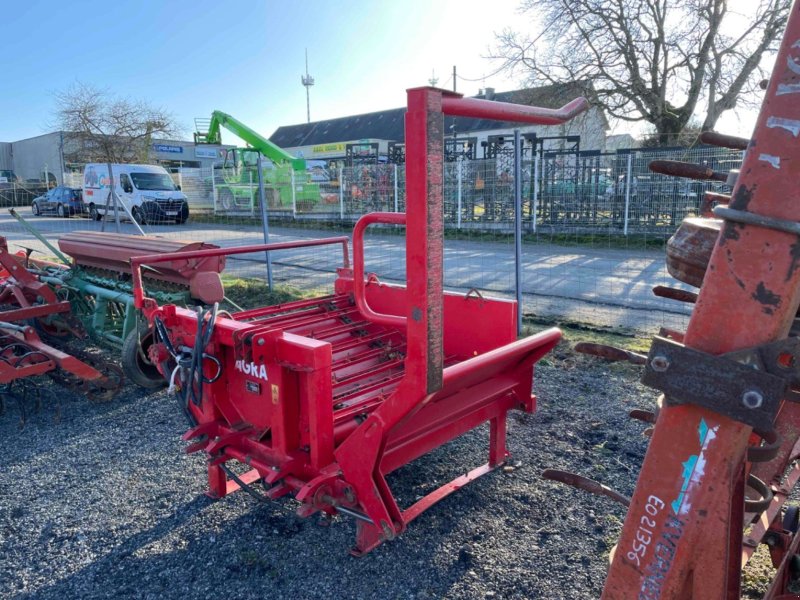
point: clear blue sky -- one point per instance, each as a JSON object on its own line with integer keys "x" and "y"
{"x": 244, "y": 58}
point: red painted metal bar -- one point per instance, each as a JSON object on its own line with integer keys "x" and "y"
{"x": 39, "y": 310}
{"x": 685, "y": 498}
{"x": 358, "y": 266}
{"x": 138, "y": 261}
{"x": 453, "y": 104}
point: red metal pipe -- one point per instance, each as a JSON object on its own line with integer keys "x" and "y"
{"x": 505, "y": 111}
{"x": 138, "y": 261}
{"x": 358, "y": 266}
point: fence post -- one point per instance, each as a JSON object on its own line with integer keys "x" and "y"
{"x": 341, "y": 193}
{"x": 396, "y": 200}
{"x": 294, "y": 197}
{"x": 250, "y": 188}
{"x": 535, "y": 200}
{"x": 518, "y": 226}
{"x": 213, "y": 189}
{"x": 627, "y": 194}
{"x": 262, "y": 201}
{"x": 458, "y": 192}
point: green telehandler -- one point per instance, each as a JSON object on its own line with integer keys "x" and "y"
{"x": 286, "y": 181}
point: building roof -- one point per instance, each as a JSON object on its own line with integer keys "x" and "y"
{"x": 388, "y": 124}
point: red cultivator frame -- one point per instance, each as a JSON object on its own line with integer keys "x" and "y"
{"x": 22, "y": 352}
{"x": 323, "y": 398}
{"x": 728, "y": 386}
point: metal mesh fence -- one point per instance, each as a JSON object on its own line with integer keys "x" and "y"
{"x": 594, "y": 226}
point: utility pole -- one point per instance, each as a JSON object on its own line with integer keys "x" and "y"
{"x": 307, "y": 81}
{"x": 454, "y": 78}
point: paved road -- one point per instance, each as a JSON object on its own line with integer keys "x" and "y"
{"x": 605, "y": 286}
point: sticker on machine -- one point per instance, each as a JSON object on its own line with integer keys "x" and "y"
{"x": 251, "y": 368}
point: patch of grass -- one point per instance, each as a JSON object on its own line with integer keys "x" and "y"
{"x": 253, "y": 293}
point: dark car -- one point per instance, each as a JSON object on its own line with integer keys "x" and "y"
{"x": 62, "y": 200}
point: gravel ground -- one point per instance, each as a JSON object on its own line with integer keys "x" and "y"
{"x": 105, "y": 504}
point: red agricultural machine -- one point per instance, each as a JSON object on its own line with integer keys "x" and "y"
{"x": 723, "y": 458}
{"x": 24, "y": 299}
{"x": 322, "y": 398}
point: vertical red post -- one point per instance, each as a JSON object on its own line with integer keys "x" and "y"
{"x": 424, "y": 242}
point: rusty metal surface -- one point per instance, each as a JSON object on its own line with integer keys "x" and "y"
{"x": 663, "y": 291}
{"x": 113, "y": 251}
{"x": 689, "y": 249}
{"x": 689, "y": 170}
{"x": 710, "y": 199}
{"x": 722, "y": 140}
{"x": 584, "y": 483}
{"x": 610, "y": 352}
{"x": 730, "y": 388}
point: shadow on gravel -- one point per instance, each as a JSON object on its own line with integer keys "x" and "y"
{"x": 83, "y": 582}
{"x": 266, "y": 552}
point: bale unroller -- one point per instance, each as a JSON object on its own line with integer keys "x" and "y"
{"x": 322, "y": 398}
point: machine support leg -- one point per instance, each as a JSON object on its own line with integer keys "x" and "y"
{"x": 217, "y": 482}
{"x": 497, "y": 440}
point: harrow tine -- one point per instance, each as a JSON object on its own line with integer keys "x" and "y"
{"x": 610, "y": 352}
{"x": 663, "y": 291}
{"x": 646, "y": 416}
{"x": 677, "y": 168}
{"x": 584, "y": 483}
{"x": 714, "y": 138}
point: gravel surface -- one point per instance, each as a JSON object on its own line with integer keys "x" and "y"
{"x": 105, "y": 504}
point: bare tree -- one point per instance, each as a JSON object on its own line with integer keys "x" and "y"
{"x": 660, "y": 61}
{"x": 103, "y": 128}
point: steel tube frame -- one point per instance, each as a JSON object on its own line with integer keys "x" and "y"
{"x": 358, "y": 267}
{"x": 138, "y": 261}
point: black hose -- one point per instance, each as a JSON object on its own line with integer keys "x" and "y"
{"x": 247, "y": 488}
{"x": 195, "y": 377}
{"x": 193, "y": 388}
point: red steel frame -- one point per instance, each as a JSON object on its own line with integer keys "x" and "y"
{"x": 21, "y": 288}
{"x": 35, "y": 300}
{"x": 682, "y": 536}
{"x": 357, "y": 384}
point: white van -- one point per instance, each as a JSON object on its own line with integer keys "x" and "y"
{"x": 147, "y": 191}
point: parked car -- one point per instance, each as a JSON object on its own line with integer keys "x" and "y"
{"x": 62, "y": 200}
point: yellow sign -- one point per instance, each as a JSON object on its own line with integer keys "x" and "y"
{"x": 323, "y": 148}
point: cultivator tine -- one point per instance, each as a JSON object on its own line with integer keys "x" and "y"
{"x": 584, "y": 483}
{"x": 646, "y": 416}
{"x": 714, "y": 138}
{"x": 611, "y": 353}
{"x": 689, "y": 170}
{"x": 663, "y": 291}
